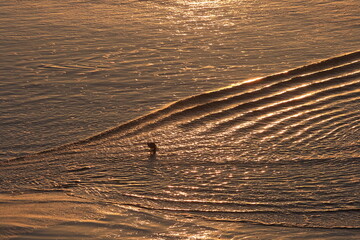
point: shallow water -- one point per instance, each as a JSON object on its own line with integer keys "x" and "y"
{"x": 273, "y": 157}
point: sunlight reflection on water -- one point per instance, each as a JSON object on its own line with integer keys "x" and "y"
{"x": 279, "y": 153}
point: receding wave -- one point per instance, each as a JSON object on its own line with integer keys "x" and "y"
{"x": 278, "y": 150}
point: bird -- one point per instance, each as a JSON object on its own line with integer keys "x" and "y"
{"x": 152, "y": 147}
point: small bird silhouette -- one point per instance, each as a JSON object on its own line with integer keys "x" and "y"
{"x": 152, "y": 147}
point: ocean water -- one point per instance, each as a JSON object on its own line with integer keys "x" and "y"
{"x": 254, "y": 107}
